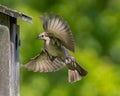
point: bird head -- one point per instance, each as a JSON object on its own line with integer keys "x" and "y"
{"x": 43, "y": 36}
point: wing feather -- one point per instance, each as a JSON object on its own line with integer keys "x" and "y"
{"x": 54, "y": 25}
{"x": 42, "y": 63}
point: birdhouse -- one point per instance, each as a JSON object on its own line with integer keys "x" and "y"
{"x": 9, "y": 50}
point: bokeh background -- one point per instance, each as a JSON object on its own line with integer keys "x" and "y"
{"x": 96, "y": 29}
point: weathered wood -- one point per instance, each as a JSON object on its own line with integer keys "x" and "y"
{"x": 9, "y": 56}
{"x": 5, "y": 61}
{"x": 14, "y": 42}
{"x": 9, "y": 50}
{"x": 15, "y": 14}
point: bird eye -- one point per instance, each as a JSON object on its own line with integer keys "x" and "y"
{"x": 42, "y": 35}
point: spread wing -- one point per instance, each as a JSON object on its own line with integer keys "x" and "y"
{"x": 55, "y": 26}
{"x": 42, "y": 63}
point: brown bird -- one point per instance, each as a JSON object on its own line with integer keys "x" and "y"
{"x": 54, "y": 55}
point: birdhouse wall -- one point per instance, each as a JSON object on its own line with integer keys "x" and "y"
{"x": 5, "y": 61}
{"x": 9, "y": 56}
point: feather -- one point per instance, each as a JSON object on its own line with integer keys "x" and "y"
{"x": 42, "y": 63}
{"x": 55, "y": 25}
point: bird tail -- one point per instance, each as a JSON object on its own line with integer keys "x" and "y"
{"x": 75, "y": 72}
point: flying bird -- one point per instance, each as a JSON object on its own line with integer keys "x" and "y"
{"x": 58, "y": 40}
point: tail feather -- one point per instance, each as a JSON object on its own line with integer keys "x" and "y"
{"x": 75, "y": 72}
{"x": 74, "y": 76}
{"x": 81, "y": 70}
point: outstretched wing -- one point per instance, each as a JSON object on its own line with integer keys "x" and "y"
{"x": 55, "y": 26}
{"x": 42, "y": 63}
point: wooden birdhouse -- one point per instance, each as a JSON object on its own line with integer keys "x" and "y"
{"x": 9, "y": 50}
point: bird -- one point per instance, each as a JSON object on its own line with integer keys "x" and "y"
{"x": 58, "y": 39}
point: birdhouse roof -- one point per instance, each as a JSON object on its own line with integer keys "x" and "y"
{"x": 15, "y": 14}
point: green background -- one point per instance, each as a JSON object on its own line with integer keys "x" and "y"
{"x": 95, "y": 25}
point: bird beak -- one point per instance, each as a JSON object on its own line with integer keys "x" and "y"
{"x": 38, "y": 37}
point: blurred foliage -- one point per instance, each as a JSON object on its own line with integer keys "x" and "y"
{"x": 96, "y": 29}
